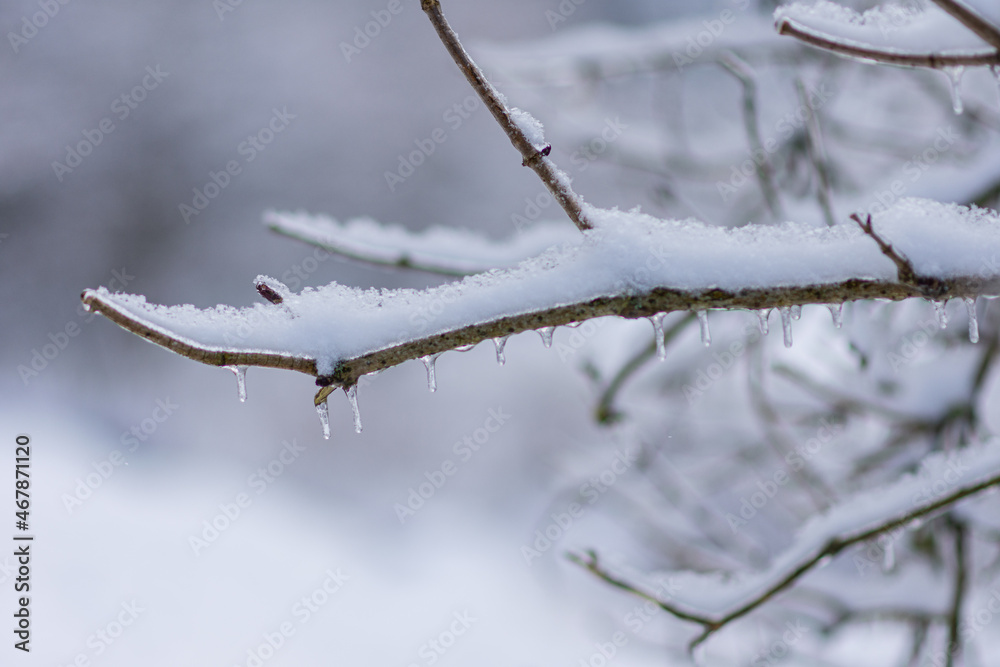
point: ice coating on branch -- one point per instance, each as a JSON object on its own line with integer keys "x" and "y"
{"x": 531, "y": 126}
{"x": 446, "y": 250}
{"x": 939, "y": 476}
{"x": 892, "y": 28}
{"x": 627, "y": 253}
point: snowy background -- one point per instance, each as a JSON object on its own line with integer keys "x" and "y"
{"x": 118, "y": 537}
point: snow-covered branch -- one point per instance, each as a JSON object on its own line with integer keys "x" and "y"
{"x": 631, "y": 265}
{"x": 894, "y": 35}
{"x": 714, "y": 603}
{"x": 440, "y": 250}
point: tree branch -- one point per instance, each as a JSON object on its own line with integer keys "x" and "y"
{"x": 533, "y": 156}
{"x": 973, "y": 21}
{"x": 713, "y": 623}
{"x": 787, "y": 26}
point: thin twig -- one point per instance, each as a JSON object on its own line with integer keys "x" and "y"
{"x": 930, "y": 287}
{"x": 954, "y": 649}
{"x": 765, "y": 173}
{"x": 800, "y": 32}
{"x": 534, "y": 157}
{"x": 712, "y": 623}
{"x": 605, "y": 412}
{"x": 985, "y": 30}
{"x": 814, "y": 144}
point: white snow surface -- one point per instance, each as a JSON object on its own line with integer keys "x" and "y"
{"x": 628, "y": 252}
{"x": 893, "y": 28}
{"x": 940, "y": 475}
{"x": 531, "y": 126}
{"x": 438, "y": 248}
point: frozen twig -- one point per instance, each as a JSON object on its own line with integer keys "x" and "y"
{"x": 930, "y": 287}
{"x": 885, "y": 56}
{"x": 783, "y": 579}
{"x": 959, "y": 531}
{"x": 985, "y": 30}
{"x": 556, "y": 182}
{"x": 765, "y": 174}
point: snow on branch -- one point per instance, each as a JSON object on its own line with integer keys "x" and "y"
{"x": 631, "y": 265}
{"x": 713, "y": 602}
{"x": 439, "y": 250}
{"x": 948, "y": 36}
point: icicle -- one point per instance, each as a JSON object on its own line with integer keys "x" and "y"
{"x": 796, "y": 312}
{"x": 889, "y": 556}
{"x": 429, "y": 362}
{"x": 241, "y": 381}
{"x": 837, "y": 312}
{"x": 970, "y": 305}
{"x": 762, "y": 316}
{"x": 661, "y": 345}
{"x": 786, "y": 324}
{"x": 500, "y": 343}
{"x": 352, "y": 398}
{"x": 706, "y": 334}
{"x": 955, "y": 77}
{"x": 546, "y": 334}
{"x": 323, "y": 410}
{"x": 941, "y": 313}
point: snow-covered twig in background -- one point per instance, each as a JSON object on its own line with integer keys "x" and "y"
{"x": 713, "y": 604}
{"x": 890, "y": 35}
{"x": 440, "y": 250}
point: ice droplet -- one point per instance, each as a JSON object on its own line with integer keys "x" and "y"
{"x": 970, "y": 305}
{"x": 546, "y": 334}
{"x": 241, "y": 381}
{"x": 796, "y": 312}
{"x": 661, "y": 345}
{"x": 706, "y": 334}
{"x": 323, "y": 410}
{"x": 915, "y": 524}
{"x": 499, "y": 344}
{"x": 824, "y": 561}
{"x": 955, "y": 78}
{"x": 837, "y": 312}
{"x": 352, "y": 398}
{"x": 464, "y": 348}
{"x": 889, "y": 556}
{"x": 762, "y": 316}
{"x": 786, "y": 324}
{"x": 941, "y": 313}
{"x": 429, "y": 362}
